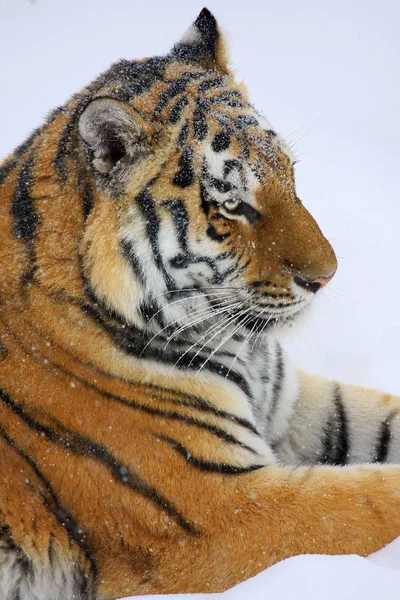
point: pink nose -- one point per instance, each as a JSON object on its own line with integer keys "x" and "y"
{"x": 315, "y": 284}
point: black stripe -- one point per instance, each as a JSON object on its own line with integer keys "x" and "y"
{"x": 7, "y": 539}
{"x": 279, "y": 375}
{"x": 181, "y": 221}
{"x": 242, "y": 121}
{"x": 327, "y": 456}
{"x": 335, "y": 442}
{"x": 176, "y": 110}
{"x": 176, "y": 87}
{"x": 183, "y": 135}
{"x": 221, "y": 141}
{"x": 148, "y": 209}
{"x": 214, "y": 235}
{"x": 86, "y": 193}
{"x": 64, "y": 145}
{"x": 22, "y": 205}
{"x": 230, "y": 165}
{"x": 220, "y": 185}
{"x": 196, "y": 362}
{"x": 64, "y": 517}
{"x": 209, "y": 84}
{"x": 200, "y": 126}
{"x": 149, "y": 310}
{"x": 50, "y": 550}
{"x": 128, "y": 251}
{"x": 383, "y": 441}
{"x": 3, "y": 350}
{"x": 25, "y": 216}
{"x": 185, "y": 176}
{"x": 247, "y": 211}
{"x": 203, "y": 465}
{"x": 82, "y": 446}
{"x": 230, "y": 98}
{"x": 342, "y": 450}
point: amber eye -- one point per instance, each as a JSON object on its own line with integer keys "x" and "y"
{"x": 232, "y": 204}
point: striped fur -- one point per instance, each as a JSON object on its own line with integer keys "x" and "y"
{"x": 153, "y": 248}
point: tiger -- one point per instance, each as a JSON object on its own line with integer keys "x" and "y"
{"x": 155, "y": 437}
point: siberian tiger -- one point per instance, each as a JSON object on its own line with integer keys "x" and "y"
{"x": 154, "y": 436}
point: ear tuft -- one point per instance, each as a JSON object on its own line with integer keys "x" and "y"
{"x": 113, "y": 132}
{"x": 203, "y": 44}
{"x": 207, "y": 26}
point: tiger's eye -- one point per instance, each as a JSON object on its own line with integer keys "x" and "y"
{"x": 232, "y": 204}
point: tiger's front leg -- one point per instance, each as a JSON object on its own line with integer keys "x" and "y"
{"x": 339, "y": 424}
{"x": 245, "y": 523}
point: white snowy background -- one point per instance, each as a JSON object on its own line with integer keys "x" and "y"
{"x": 327, "y": 75}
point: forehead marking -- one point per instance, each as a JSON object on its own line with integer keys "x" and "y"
{"x": 185, "y": 176}
{"x": 221, "y": 141}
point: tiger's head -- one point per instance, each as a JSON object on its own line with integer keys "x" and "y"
{"x": 195, "y": 203}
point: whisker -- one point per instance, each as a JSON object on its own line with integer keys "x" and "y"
{"x": 214, "y": 288}
{"x": 198, "y": 319}
{"x": 247, "y": 339}
{"x": 263, "y": 328}
{"x": 208, "y": 309}
{"x": 183, "y": 300}
{"x": 225, "y": 339}
{"x": 199, "y": 340}
{"x": 220, "y": 326}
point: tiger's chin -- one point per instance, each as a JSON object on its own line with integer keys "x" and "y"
{"x": 279, "y": 323}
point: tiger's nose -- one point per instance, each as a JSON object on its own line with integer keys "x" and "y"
{"x": 315, "y": 284}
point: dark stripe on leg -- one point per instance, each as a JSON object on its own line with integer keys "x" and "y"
{"x": 335, "y": 442}
{"x": 383, "y": 441}
{"x": 342, "y": 449}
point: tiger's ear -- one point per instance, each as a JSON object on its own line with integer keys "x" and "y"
{"x": 114, "y": 132}
{"x": 203, "y": 44}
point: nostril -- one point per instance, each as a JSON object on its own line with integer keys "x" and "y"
{"x": 313, "y": 286}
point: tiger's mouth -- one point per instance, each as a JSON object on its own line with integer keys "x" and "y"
{"x": 262, "y": 320}
{"x": 256, "y": 314}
